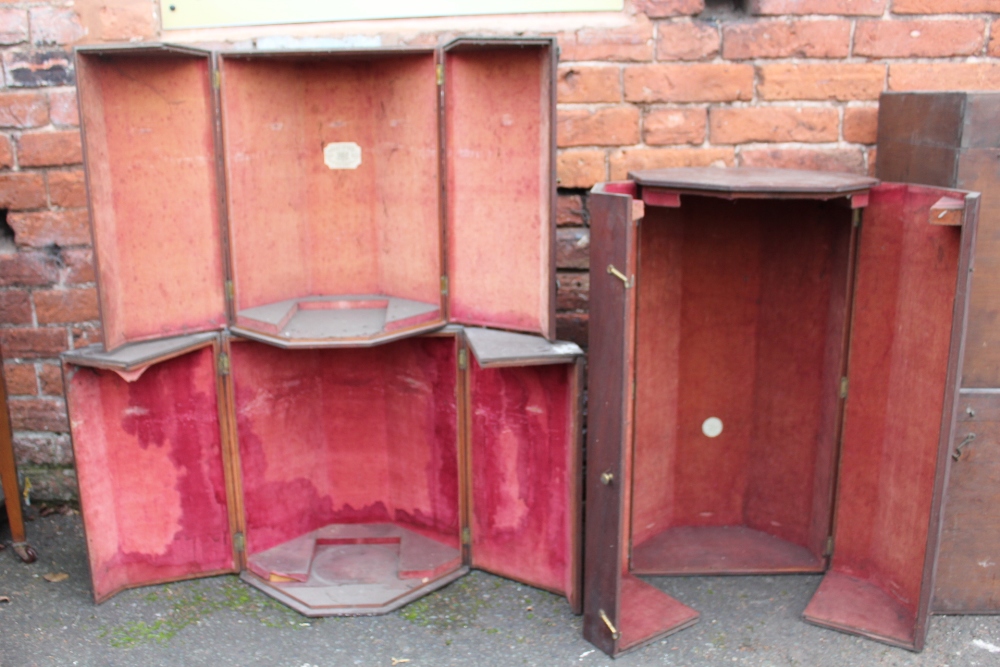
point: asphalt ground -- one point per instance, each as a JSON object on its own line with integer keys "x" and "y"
{"x": 479, "y": 620}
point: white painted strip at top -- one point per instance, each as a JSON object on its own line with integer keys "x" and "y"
{"x": 184, "y": 14}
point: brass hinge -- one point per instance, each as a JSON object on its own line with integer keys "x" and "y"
{"x": 216, "y": 79}
{"x": 828, "y": 551}
{"x": 466, "y": 535}
{"x": 230, "y": 290}
{"x": 856, "y": 217}
{"x": 223, "y": 365}
{"x": 444, "y": 285}
{"x": 463, "y": 359}
{"x": 238, "y": 542}
{"x": 843, "y": 387}
{"x": 440, "y": 74}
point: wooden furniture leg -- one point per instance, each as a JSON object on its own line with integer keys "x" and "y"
{"x": 8, "y": 478}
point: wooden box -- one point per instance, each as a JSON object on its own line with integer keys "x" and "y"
{"x": 953, "y": 140}
{"x": 776, "y": 360}
{"x": 340, "y": 481}
{"x": 313, "y": 199}
{"x": 261, "y": 221}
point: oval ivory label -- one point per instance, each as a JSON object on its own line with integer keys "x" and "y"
{"x": 342, "y": 155}
{"x": 712, "y": 427}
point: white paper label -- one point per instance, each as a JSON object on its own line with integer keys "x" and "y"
{"x": 712, "y": 427}
{"x": 342, "y": 155}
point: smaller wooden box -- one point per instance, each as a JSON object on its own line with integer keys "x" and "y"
{"x": 775, "y": 360}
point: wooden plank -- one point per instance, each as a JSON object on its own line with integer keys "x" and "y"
{"x": 754, "y": 180}
{"x": 620, "y": 612}
{"x": 612, "y": 243}
{"x": 977, "y": 171}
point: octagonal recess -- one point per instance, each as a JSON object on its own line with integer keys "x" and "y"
{"x": 354, "y": 569}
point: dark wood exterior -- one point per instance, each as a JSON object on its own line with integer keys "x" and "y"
{"x": 819, "y": 320}
{"x": 953, "y": 140}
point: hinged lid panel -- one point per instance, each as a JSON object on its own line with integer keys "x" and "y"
{"x": 499, "y": 138}
{"x": 150, "y": 154}
{"x": 149, "y": 462}
{"x": 907, "y": 330}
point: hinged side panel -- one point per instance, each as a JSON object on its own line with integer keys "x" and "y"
{"x": 621, "y": 612}
{"x": 910, "y": 309}
{"x": 525, "y": 467}
{"x": 500, "y": 183}
{"x": 150, "y": 467}
{"x": 150, "y": 156}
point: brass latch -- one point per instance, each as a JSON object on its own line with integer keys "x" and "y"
{"x": 223, "y": 364}
{"x": 619, "y": 275}
{"x": 466, "y": 535}
{"x": 238, "y": 542}
{"x": 828, "y": 551}
{"x": 607, "y": 477}
{"x": 611, "y": 626}
{"x": 440, "y": 74}
{"x": 463, "y": 359}
{"x": 843, "y": 387}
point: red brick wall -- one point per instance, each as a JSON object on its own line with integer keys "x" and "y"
{"x": 783, "y": 82}
{"x": 48, "y": 300}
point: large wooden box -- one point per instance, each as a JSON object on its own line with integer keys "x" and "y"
{"x": 261, "y": 221}
{"x": 314, "y": 199}
{"x": 776, "y": 358}
{"x": 953, "y": 140}
{"x": 341, "y": 481}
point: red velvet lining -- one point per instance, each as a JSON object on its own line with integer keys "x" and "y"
{"x": 154, "y": 196}
{"x": 900, "y": 344}
{"x": 499, "y": 185}
{"x": 521, "y": 452}
{"x": 347, "y": 436}
{"x": 149, "y": 465}
{"x": 741, "y": 317}
{"x": 300, "y": 228}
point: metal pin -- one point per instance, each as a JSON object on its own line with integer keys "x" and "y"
{"x": 619, "y": 275}
{"x": 607, "y": 621}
